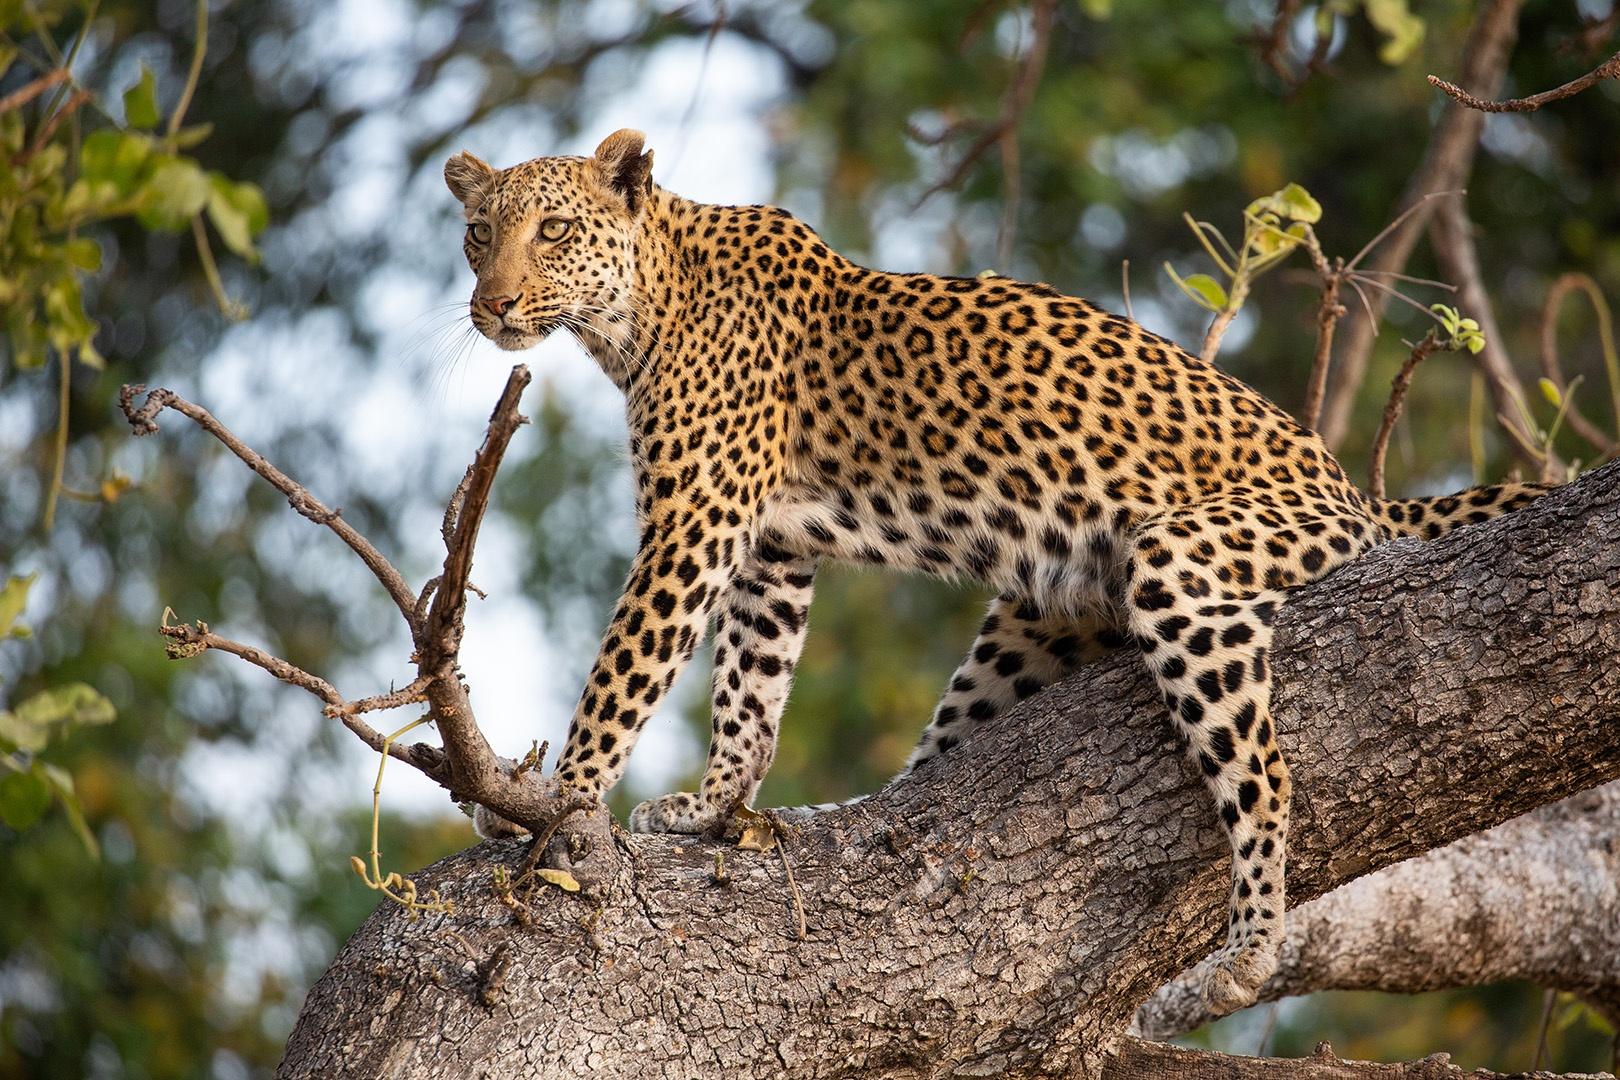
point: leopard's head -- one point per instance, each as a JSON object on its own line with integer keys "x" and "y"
{"x": 552, "y": 240}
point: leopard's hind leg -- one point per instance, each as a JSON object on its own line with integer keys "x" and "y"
{"x": 1018, "y": 651}
{"x": 1204, "y": 584}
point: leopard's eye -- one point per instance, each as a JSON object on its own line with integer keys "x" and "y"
{"x": 554, "y": 228}
{"x": 479, "y": 231}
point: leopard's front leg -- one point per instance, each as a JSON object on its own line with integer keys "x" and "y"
{"x": 759, "y": 629}
{"x": 688, "y": 555}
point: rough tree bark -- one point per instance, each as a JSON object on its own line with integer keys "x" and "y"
{"x": 1537, "y": 898}
{"x": 1005, "y": 911}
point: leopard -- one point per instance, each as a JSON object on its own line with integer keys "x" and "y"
{"x": 786, "y": 406}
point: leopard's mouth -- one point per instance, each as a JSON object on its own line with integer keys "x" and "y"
{"x": 526, "y": 335}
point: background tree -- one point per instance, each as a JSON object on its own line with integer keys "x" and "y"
{"x": 223, "y": 885}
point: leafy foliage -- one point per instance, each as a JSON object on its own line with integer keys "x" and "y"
{"x": 1273, "y": 226}
{"x": 29, "y": 783}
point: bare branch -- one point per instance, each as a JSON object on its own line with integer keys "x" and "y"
{"x": 29, "y": 91}
{"x": 1592, "y": 34}
{"x": 477, "y": 771}
{"x": 1420, "y": 206}
{"x": 144, "y": 420}
{"x": 1451, "y": 234}
{"x": 1014, "y": 102}
{"x": 1272, "y": 44}
{"x": 1609, "y": 69}
{"x": 1137, "y": 1059}
{"x": 1430, "y": 345}
{"x": 413, "y": 694}
{"x": 467, "y": 766}
{"x": 1328, "y": 313}
{"x": 50, "y": 126}
{"x": 186, "y": 641}
{"x": 1447, "y": 162}
{"x": 1216, "y": 331}
{"x": 1554, "y": 372}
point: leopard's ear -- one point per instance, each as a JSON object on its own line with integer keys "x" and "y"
{"x": 469, "y": 179}
{"x": 625, "y": 169}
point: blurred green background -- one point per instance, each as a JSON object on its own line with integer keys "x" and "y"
{"x": 225, "y": 810}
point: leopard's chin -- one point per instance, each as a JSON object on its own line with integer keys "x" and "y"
{"x": 515, "y": 339}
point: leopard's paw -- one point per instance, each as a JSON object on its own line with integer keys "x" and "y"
{"x": 1232, "y": 977}
{"x": 682, "y": 812}
{"x": 491, "y": 826}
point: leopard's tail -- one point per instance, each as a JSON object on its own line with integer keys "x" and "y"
{"x": 795, "y": 814}
{"x": 1438, "y": 515}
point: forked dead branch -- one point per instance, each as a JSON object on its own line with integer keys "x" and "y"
{"x": 466, "y": 766}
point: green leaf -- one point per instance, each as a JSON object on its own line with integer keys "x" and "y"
{"x": 28, "y": 726}
{"x": 1449, "y": 317}
{"x": 177, "y": 190}
{"x": 90, "y": 357}
{"x": 72, "y": 703}
{"x": 238, "y": 211}
{"x": 140, "y": 101}
{"x": 114, "y": 158}
{"x": 1300, "y": 205}
{"x": 67, "y": 325}
{"x": 24, "y": 798}
{"x": 62, "y": 781}
{"x": 1403, "y": 32}
{"x": 13, "y": 599}
{"x": 83, "y": 253}
{"x": 1292, "y": 203}
{"x": 1549, "y": 390}
{"x": 1205, "y": 291}
{"x": 16, "y": 735}
{"x": 1097, "y": 9}
{"x": 27, "y": 339}
{"x": 190, "y": 135}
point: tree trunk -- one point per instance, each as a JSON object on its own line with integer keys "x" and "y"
{"x": 1005, "y": 910}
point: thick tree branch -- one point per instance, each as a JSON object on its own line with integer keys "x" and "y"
{"x": 1536, "y": 898}
{"x": 1005, "y": 910}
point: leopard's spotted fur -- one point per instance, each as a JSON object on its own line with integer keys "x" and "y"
{"x": 786, "y": 406}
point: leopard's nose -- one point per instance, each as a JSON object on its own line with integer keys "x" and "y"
{"x": 497, "y": 305}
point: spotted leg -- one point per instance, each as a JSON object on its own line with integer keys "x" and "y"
{"x": 673, "y": 586}
{"x": 1018, "y": 651}
{"x": 758, "y": 632}
{"x": 1204, "y": 584}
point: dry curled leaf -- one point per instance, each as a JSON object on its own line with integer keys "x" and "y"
{"x": 560, "y": 878}
{"x": 760, "y": 837}
{"x": 757, "y": 833}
